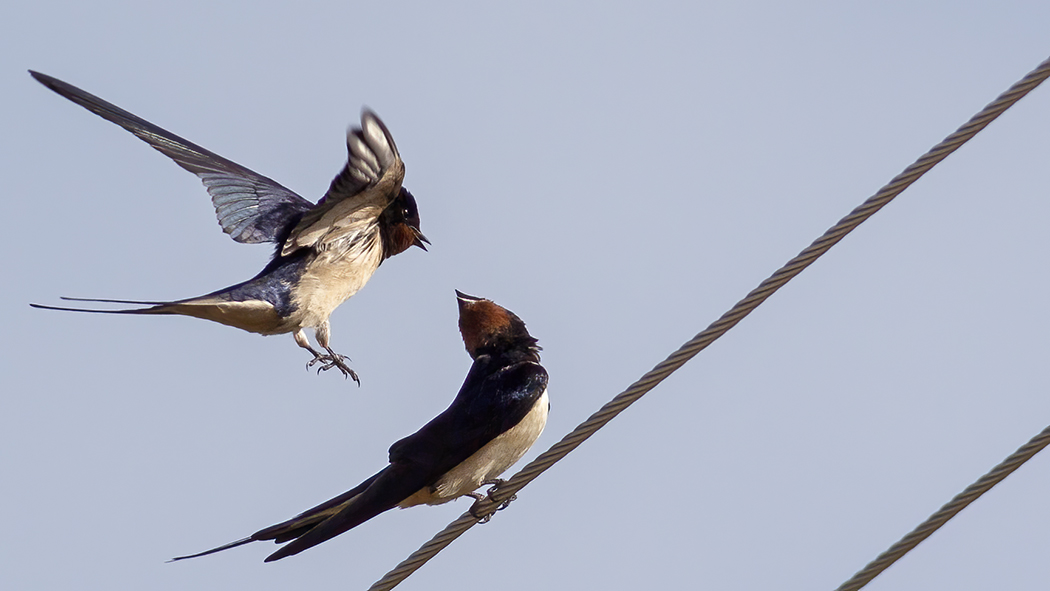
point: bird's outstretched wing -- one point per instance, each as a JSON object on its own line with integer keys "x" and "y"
{"x": 368, "y": 183}
{"x": 251, "y": 208}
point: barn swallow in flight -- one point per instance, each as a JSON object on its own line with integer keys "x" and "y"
{"x": 499, "y": 412}
{"x": 325, "y": 252}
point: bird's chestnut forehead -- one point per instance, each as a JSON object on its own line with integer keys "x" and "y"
{"x": 481, "y": 320}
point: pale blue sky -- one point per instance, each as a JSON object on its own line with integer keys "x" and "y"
{"x": 617, "y": 174}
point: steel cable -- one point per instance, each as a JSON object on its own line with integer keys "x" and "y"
{"x": 935, "y": 521}
{"x": 486, "y": 506}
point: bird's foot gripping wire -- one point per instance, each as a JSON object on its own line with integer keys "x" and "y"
{"x": 494, "y": 484}
{"x": 336, "y": 360}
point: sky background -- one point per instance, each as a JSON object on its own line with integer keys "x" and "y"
{"x": 618, "y": 174}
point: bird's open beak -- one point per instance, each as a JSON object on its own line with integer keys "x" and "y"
{"x": 420, "y": 239}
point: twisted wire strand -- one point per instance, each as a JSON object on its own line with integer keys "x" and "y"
{"x": 738, "y": 312}
{"x": 958, "y": 503}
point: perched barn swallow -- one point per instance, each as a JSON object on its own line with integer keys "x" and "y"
{"x": 499, "y": 412}
{"x": 325, "y": 252}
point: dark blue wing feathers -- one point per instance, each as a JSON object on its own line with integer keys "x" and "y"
{"x": 251, "y": 208}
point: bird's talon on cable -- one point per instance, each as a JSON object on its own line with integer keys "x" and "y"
{"x": 494, "y": 483}
{"x": 505, "y": 503}
{"x": 480, "y": 518}
{"x": 474, "y": 508}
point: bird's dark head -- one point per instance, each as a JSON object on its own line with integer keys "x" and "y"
{"x": 399, "y": 225}
{"x": 489, "y": 328}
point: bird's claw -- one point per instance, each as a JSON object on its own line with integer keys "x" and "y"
{"x": 506, "y": 503}
{"x": 474, "y": 513}
{"x": 495, "y": 483}
{"x": 334, "y": 360}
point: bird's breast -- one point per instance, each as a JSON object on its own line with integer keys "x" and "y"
{"x": 488, "y": 462}
{"x": 331, "y": 278}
